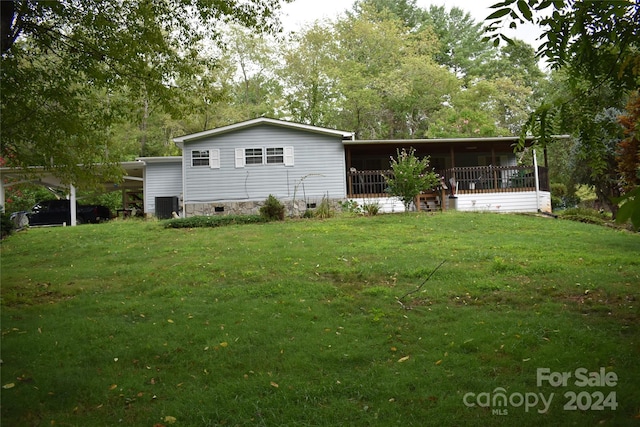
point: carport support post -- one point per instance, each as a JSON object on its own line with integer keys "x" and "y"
{"x": 537, "y": 178}
{"x": 72, "y": 205}
{"x": 2, "y": 195}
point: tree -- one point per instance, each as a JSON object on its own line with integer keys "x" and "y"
{"x": 310, "y": 91}
{"x": 628, "y": 155}
{"x": 411, "y": 176}
{"x": 257, "y": 89}
{"x": 388, "y": 83}
{"x": 461, "y": 46}
{"x": 63, "y": 61}
{"x": 405, "y": 10}
{"x": 598, "y": 46}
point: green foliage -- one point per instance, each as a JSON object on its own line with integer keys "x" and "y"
{"x": 272, "y": 210}
{"x": 22, "y": 197}
{"x": 586, "y": 215}
{"x": 6, "y": 225}
{"x": 371, "y": 208}
{"x": 630, "y": 208}
{"x": 324, "y": 209}
{"x": 411, "y": 176}
{"x": 558, "y": 195}
{"x": 596, "y": 40}
{"x": 213, "y": 221}
{"x": 596, "y": 46}
{"x": 65, "y": 65}
{"x": 350, "y": 206}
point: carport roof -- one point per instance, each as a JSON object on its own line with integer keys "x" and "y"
{"x": 133, "y": 176}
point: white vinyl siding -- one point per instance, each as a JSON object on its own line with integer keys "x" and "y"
{"x": 319, "y": 167}
{"x": 162, "y": 179}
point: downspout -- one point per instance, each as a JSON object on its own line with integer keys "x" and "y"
{"x": 183, "y": 199}
{"x": 536, "y": 176}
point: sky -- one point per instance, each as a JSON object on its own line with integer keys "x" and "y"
{"x": 301, "y": 12}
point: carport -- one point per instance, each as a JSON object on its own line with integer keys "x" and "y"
{"x": 132, "y": 183}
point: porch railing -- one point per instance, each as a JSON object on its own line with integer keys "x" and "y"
{"x": 496, "y": 179}
{"x": 476, "y": 179}
{"x": 369, "y": 183}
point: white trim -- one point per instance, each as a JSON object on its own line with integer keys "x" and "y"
{"x": 214, "y": 158}
{"x": 288, "y": 156}
{"x": 262, "y": 120}
{"x": 239, "y": 157}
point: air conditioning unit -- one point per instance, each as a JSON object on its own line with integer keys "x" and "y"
{"x": 165, "y": 206}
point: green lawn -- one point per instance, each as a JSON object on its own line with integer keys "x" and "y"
{"x": 300, "y": 323}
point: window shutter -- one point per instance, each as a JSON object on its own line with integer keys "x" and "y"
{"x": 239, "y": 157}
{"x": 288, "y": 156}
{"x": 214, "y": 158}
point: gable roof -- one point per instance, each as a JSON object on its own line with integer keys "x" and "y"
{"x": 262, "y": 121}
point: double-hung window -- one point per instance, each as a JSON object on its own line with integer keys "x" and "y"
{"x": 200, "y": 158}
{"x": 275, "y": 156}
{"x": 210, "y": 158}
{"x": 264, "y": 156}
{"x": 253, "y": 156}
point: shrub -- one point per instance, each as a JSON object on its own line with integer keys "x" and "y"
{"x": 411, "y": 177}
{"x": 272, "y": 209}
{"x": 589, "y": 216}
{"x": 350, "y": 206}
{"x": 7, "y": 226}
{"x": 324, "y": 209}
{"x": 558, "y": 195}
{"x": 371, "y": 209}
{"x": 213, "y": 221}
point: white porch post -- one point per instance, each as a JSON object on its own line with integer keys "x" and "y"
{"x": 537, "y": 177}
{"x": 2, "y": 196}
{"x": 72, "y": 205}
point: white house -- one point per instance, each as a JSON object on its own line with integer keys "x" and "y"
{"x": 233, "y": 169}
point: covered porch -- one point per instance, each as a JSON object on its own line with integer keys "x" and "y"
{"x": 477, "y": 174}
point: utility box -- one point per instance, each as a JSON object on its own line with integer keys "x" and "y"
{"x": 166, "y": 206}
{"x": 452, "y": 203}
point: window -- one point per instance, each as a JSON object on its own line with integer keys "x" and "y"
{"x": 200, "y": 158}
{"x": 209, "y": 158}
{"x": 253, "y": 156}
{"x": 264, "y": 156}
{"x": 275, "y": 156}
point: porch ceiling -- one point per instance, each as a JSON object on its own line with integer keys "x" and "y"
{"x": 387, "y": 147}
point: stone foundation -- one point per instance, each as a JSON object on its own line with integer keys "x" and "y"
{"x": 248, "y": 207}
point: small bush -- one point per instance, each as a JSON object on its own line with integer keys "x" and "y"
{"x": 272, "y": 210}
{"x": 324, "y": 210}
{"x": 558, "y": 195}
{"x": 589, "y": 216}
{"x": 213, "y": 221}
{"x": 7, "y": 226}
{"x": 371, "y": 209}
{"x": 350, "y": 206}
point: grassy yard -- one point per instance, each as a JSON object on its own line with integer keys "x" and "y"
{"x": 323, "y": 323}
